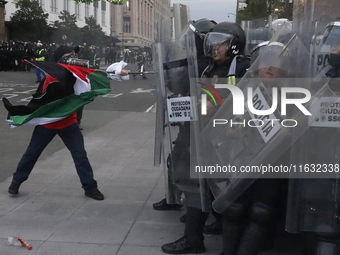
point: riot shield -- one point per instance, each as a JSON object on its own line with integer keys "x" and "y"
{"x": 313, "y": 197}
{"x": 261, "y": 30}
{"x": 323, "y": 39}
{"x": 163, "y": 28}
{"x": 256, "y": 32}
{"x": 175, "y": 62}
{"x": 241, "y": 142}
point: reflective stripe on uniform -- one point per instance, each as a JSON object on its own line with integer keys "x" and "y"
{"x": 41, "y": 58}
{"x": 232, "y": 80}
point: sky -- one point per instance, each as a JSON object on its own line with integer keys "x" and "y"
{"x": 217, "y": 10}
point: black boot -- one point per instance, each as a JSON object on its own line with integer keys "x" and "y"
{"x": 14, "y": 188}
{"x": 214, "y": 228}
{"x": 253, "y": 238}
{"x": 232, "y": 233}
{"x": 164, "y": 206}
{"x": 327, "y": 244}
{"x": 261, "y": 220}
{"x": 183, "y": 218}
{"x": 184, "y": 245}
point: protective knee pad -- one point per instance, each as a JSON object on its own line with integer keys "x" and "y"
{"x": 235, "y": 212}
{"x": 262, "y": 214}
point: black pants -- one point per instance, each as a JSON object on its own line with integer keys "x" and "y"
{"x": 194, "y": 223}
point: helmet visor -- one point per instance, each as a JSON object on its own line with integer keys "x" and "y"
{"x": 214, "y": 39}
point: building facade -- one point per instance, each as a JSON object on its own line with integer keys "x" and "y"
{"x": 100, "y": 10}
{"x": 135, "y": 22}
{"x": 3, "y": 34}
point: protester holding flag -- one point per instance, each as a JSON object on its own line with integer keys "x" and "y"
{"x": 53, "y": 112}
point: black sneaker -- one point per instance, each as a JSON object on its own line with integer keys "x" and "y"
{"x": 95, "y": 194}
{"x": 183, "y": 246}
{"x": 214, "y": 228}
{"x": 164, "y": 206}
{"x": 14, "y": 188}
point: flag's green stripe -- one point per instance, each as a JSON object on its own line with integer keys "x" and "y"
{"x": 63, "y": 107}
{"x": 98, "y": 80}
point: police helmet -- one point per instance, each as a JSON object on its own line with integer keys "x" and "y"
{"x": 226, "y": 32}
{"x": 204, "y": 25}
{"x": 201, "y": 27}
{"x": 273, "y": 55}
{"x": 256, "y": 51}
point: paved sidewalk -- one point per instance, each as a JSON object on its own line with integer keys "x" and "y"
{"x": 52, "y": 213}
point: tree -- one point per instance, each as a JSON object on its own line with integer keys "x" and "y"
{"x": 66, "y": 26}
{"x": 263, "y": 8}
{"x": 29, "y": 22}
{"x": 92, "y": 33}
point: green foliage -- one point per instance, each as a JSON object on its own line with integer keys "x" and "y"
{"x": 66, "y": 25}
{"x": 92, "y": 33}
{"x": 29, "y": 22}
{"x": 263, "y": 8}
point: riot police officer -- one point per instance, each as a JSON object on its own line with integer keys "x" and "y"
{"x": 224, "y": 45}
{"x": 313, "y": 203}
{"x": 249, "y": 220}
{"x": 179, "y": 86}
{"x": 40, "y": 55}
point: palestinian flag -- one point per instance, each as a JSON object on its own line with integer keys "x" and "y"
{"x": 66, "y": 88}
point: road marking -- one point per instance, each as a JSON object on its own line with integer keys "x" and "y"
{"x": 112, "y": 95}
{"x": 27, "y": 99}
{"x": 140, "y": 90}
{"x": 10, "y": 95}
{"x": 150, "y": 108}
{"x": 12, "y": 85}
{"x": 5, "y": 90}
{"x": 26, "y": 92}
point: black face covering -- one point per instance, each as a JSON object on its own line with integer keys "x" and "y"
{"x": 334, "y": 60}
{"x": 64, "y": 60}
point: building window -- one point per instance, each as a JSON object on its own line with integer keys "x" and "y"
{"x": 127, "y": 5}
{"x": 87, "y": 10}
{"x": 53, "y": 5}
{"x": 77, "y": 10}
{"x": 103, "y": 18}
{"x": 66, "y": 5}
{"x": 95, "y": 10}
{"x": 126, "y": 25}
{"x": 103, "y": 13}
{"x": 41, "y": 2}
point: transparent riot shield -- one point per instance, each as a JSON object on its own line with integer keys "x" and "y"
{"x": 175, "y": 63}
{"x": 163, "y": 35}
{"x": 261, "y": 30}
{"x": 314, "y": 192}
{"x": 240, "y": 142}
{"x": 322, "y": 41}
{"x": 256, "y": 32}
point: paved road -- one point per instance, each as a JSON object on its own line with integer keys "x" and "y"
{"x": 135, "y": 95}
